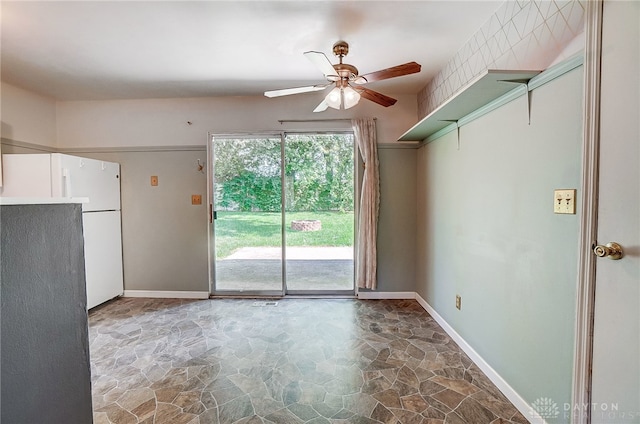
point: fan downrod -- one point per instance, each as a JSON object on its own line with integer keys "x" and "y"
{"x": 345, "y": 71}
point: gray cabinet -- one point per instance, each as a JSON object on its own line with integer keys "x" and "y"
{"x": 46, "y": 375}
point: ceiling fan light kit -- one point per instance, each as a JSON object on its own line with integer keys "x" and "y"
{"x": 342, "y": 98}
{"x": 350, "y": 97}
{"x": 334, "y": 98}
{"x": 341, "y": 76}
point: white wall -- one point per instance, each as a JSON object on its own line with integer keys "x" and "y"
{"x": 164, "y": 236}
{"x": 522, "y": 35}
{"x": 27, "y": 117}
{"x": 487, "y": 231}
{"x": 163, "y": 122}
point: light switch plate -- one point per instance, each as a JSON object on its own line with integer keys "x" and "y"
{"x": 154, "y": 180}
{"x": 564, "y": 201}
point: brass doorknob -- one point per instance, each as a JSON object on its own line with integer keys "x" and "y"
{"x": 611, "y": 250}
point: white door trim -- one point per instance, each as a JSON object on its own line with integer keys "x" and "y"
{"x": 585, "y": 301}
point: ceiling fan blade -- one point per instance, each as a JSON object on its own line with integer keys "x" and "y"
{"x": 321, "y": 107}
{"x": 396, "y": 71}
{"x": 320, "y": 60}
{"x": 295, "y": 90}
{"x": 376, "y": 97}
{"x": 360, "y": 80}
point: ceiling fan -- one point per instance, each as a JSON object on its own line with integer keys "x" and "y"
{"x": 347, "y": 83}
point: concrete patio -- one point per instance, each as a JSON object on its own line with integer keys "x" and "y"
{"x": 307, "y": 269}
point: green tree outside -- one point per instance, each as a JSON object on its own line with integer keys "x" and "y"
{"x": 318, "y": 173}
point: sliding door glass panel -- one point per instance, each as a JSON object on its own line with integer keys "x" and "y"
{"x": 247, "y": 200}
{"x": 319, "y": 213}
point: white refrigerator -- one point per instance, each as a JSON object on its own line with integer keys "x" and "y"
{"x": 60, "y": 175}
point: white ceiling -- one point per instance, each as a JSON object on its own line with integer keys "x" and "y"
{"x": 81, "y": 50}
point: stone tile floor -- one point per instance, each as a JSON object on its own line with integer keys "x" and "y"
{"x": 301, "y": 361}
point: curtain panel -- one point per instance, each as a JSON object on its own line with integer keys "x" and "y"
{"x": 366, "y": 259}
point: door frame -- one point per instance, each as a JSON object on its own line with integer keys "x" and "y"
{"x": 356, "y": 196}
{"x": 210, "y": 202}
{"x": 585, "y": 301}
{"x": 357, "y": 175}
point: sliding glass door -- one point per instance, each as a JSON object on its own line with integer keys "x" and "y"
{"x": 247, "y": 215}
{"x": 282, "y": 214}
{"x": 319, "y": 219}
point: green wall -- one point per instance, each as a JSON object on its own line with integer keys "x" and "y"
{"x": 487, "y": 232}
{"x": 397, "y": 220}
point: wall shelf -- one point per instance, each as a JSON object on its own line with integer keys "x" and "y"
{"x": 487, "y": 87}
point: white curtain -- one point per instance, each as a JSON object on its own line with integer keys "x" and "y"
{"x": 366, "y": 259}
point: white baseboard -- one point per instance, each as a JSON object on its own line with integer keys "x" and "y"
{"x": 386, "y": 295}
{"x": 505, "y": 388}
{"x": 167, "y": 294}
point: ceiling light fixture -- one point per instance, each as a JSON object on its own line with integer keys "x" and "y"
{"x": 350, "y": 97}
{"x": 334, "y": 98}
{"x": 342, "y": 97}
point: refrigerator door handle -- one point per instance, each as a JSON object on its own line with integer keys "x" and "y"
{"x": 67, "y": 182}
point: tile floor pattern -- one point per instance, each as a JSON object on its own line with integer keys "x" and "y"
{"x": 302, "y": 361}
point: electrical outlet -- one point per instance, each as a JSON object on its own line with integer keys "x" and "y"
{"x": 458, "y": 301}
{"x": 154, "y": 180}
{"x": 196, "y": 199}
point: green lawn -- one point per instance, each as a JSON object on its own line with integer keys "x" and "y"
{"x": 255, "y": 229}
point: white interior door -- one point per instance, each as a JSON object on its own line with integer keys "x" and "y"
{"x": 616, "y": 348}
